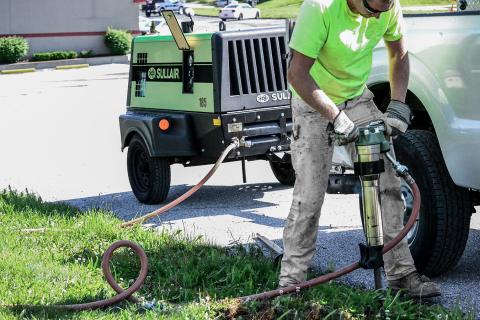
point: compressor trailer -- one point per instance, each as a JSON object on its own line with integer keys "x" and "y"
{"x": 189, "y": 97}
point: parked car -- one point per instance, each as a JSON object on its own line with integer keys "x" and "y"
{"x": 239, "y": 11}
{"x": 156, "y": 6}
{"x": 223, "y": 3}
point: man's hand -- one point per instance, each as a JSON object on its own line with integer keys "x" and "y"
{"x": 345, "y": 130}
{"x": 398, "y": 119}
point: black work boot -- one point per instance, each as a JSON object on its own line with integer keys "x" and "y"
{"x": 415, "y": 286}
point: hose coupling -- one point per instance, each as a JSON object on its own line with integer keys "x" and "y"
{"x": 400, "y": 169}
{"x": 151, "y": 305}
{"x": 242, "y": 142}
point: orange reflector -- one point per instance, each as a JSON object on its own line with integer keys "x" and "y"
{"x": 164, "y": 124}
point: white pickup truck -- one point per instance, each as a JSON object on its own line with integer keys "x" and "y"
{"x": 442, "y": 146}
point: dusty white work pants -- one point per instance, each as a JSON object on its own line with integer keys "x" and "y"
{"x": 312, "y": 159}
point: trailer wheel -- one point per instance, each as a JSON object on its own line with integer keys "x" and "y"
{"x": 149, "y": 176}
{"x": 283, "y": 170}
{"x": 439, "y": 237}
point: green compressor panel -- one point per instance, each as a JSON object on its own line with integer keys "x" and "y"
{"x": 163, "y": 77}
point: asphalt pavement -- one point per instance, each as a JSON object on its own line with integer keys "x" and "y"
{"x": 62, "y": 141}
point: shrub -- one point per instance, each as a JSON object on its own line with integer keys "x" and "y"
{"x": 12, "y": 49}
{"x": 54, "y": 55}
{"x": 85, "y": 54}
{"x": 118, "y": 41}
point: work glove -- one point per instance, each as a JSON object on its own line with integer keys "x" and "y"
{"x": 345, "y": 131}
{"x": 399, "y": 117}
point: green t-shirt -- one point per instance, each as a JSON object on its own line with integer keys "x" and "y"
{"x": 342, "y": 42}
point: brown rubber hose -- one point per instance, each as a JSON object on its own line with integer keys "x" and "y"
{"x": 128, "y": 294}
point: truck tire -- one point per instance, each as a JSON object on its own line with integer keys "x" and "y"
{"x": 441, "y": 232}
{"x": 283, "y": 170}
{"x": 148, "y": 13}
{"x": 149, "y": 176}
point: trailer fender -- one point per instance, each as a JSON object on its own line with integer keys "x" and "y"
{"x": 176, "y": 141}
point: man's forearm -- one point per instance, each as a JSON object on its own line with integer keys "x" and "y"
{"x": 315, "y": 97}
{"x": 399, "y": 74}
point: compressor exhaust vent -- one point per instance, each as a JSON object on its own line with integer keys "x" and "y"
{"x": 250, "y": 69}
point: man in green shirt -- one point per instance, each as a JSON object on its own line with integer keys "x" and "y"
{"x": 332, "y": 46}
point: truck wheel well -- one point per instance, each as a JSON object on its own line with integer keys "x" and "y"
{"x": 421, "y": 119}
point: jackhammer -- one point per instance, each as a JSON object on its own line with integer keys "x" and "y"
{"x": 368, "y": 166}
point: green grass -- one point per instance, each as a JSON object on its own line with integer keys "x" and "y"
{"x": 289, "y": 8}
{"x": 188, "y": 278}
{"x": 211, "y": 12}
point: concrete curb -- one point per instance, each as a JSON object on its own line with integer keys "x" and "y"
{"x": 70, "y": 62}
{"x": 15, "y": 71}
{"x": 73, "y": 66}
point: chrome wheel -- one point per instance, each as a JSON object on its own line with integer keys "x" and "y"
{"x": 407, "y": 196}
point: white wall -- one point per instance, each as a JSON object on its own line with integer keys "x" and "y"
{"x": 44, "y": 18}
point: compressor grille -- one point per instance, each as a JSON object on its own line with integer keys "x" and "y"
{"x": 257, "y": 65}
{"x": 250, "y": 69}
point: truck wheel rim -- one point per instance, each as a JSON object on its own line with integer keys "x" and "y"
{"x": 407, "y": 196}
{"x": 142, "y": 170}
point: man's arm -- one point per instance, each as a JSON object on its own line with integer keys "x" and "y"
{"x": 399, "y": 69}
{"x": 299, "y": 78}
{"x": 399, "y": 115}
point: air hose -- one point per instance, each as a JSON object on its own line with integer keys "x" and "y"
{"x": 128, "y": 294}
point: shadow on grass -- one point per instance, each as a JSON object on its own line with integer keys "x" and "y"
{"x": 24, "y": 201}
